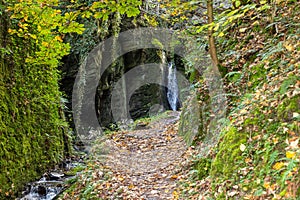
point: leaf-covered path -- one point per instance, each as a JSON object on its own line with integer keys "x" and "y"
{"x": 138, "y": 164}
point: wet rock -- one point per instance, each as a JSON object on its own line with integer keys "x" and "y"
{"x": 55, "y": 175}
{"x": 41, "y": 190}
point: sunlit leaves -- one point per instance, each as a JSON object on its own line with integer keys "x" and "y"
{"x": 151, "y": 20}
{"x": 45, "y": 25}
{"x": 102, "y": 9}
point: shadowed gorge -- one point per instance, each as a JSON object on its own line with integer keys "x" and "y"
{"x": 152, "y": 99}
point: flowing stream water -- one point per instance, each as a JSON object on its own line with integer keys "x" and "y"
{"x": 172, "y": 93}
{"x": 44, "y": 190}
{"x": 49, "y": 186}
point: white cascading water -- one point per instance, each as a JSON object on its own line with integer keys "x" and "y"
{"x": 172, "y": 93}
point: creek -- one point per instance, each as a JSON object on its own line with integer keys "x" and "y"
{"x": 50, "y": 185}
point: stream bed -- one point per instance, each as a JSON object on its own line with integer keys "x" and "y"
{"x": 50, "y": 185}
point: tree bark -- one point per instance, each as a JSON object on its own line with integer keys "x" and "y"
{"x": 211, "y": 39}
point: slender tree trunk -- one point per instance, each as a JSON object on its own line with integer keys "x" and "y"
{"x": 4, "y": 24}
{"x": 211, "y": 39}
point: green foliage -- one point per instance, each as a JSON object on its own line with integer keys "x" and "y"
{"x": 203, "y": 167}
{"x": 75, "y": 170}
{"x": 43, "y": 29}
{"x": 290, "y": 82}
{"x": 32, "y": 130}
{"x": 268, "y": 158}
{"x": 105, "y": 8}
{"x": 33, "y": 133}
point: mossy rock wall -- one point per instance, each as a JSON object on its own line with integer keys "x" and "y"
{"x": 191, "y": 124}
{"x": 32, "y": 129}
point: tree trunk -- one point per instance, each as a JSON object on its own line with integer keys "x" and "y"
{"x": 211, "y": 39}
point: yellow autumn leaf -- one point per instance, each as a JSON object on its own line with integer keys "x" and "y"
{"x": 266, "y": 185}
{"x": 275, "y": 140}
{"x": 175, "y": 195}
{"x": 221, "y": 34}
{"x": 10, "y": 30}
{"x": 290, "y": 154}
{"x": 174, "y": 177}
{"x": 242, "y": 30}
{"x": 295, "y": 169}
{"x": 216, "y": 27}
{"x": 58, "y": 38}
{"x": 288, "y": 47}
{"x": 33, "y": 36}
{"x": 278, "y": 165}
{"x": 255, "y": 23}
{"x": 263, "y": 2}
{"x": 45, "y": 44}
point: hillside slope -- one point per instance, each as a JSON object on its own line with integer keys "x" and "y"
{"x": 258, "y": 154}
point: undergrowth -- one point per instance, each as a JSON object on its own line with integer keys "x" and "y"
{"x": 258, "y": 155}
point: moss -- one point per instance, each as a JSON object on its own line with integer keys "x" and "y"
{"x": 221, "y": 197}
{"x": 291, "y": 80}
{"x": 287, "y": 107}
{"x": 229, "y": 154}
{"x": 257, "y": 75}
{"x": 194, "y": 76}
{"x": 75, "y": 170}
{"x": 191, "y": 123}
{"x": 31, "y": 126}
{"x": 203, "y": 167}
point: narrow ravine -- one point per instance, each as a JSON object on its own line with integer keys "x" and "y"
{"x": 138, "y": 164}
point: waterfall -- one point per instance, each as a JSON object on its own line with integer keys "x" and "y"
{"x": 172, "y": 93}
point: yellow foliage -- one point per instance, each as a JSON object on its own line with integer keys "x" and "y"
{"x": 290, "y": 154}
{"x": 175, "y": 195}
{"x": 45, "y": 44}
{"x": 266, "y": 185}
{"x": 58, "y": 38}
{"x": 278, "y": 165}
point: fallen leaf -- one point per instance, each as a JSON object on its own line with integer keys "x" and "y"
{"x": 232, "y": 193}
{"x": 290, "y": 154}
{"x": 278, "y": 165}
{"x": 266, "y": 185}
{"x": 242, "y": 147}
{"x": 295, "y": 115}
{"x": 242, "y": 30}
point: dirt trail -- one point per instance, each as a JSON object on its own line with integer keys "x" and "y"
{"x": 141, "y": 164}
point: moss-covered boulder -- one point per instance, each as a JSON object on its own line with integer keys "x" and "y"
{"x": 228, "y": 154}
{"x": 190, "y": 124}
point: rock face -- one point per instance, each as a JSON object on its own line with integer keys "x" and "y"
{"x": 143, "y": 101}
{"x": 191, "y": 124}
